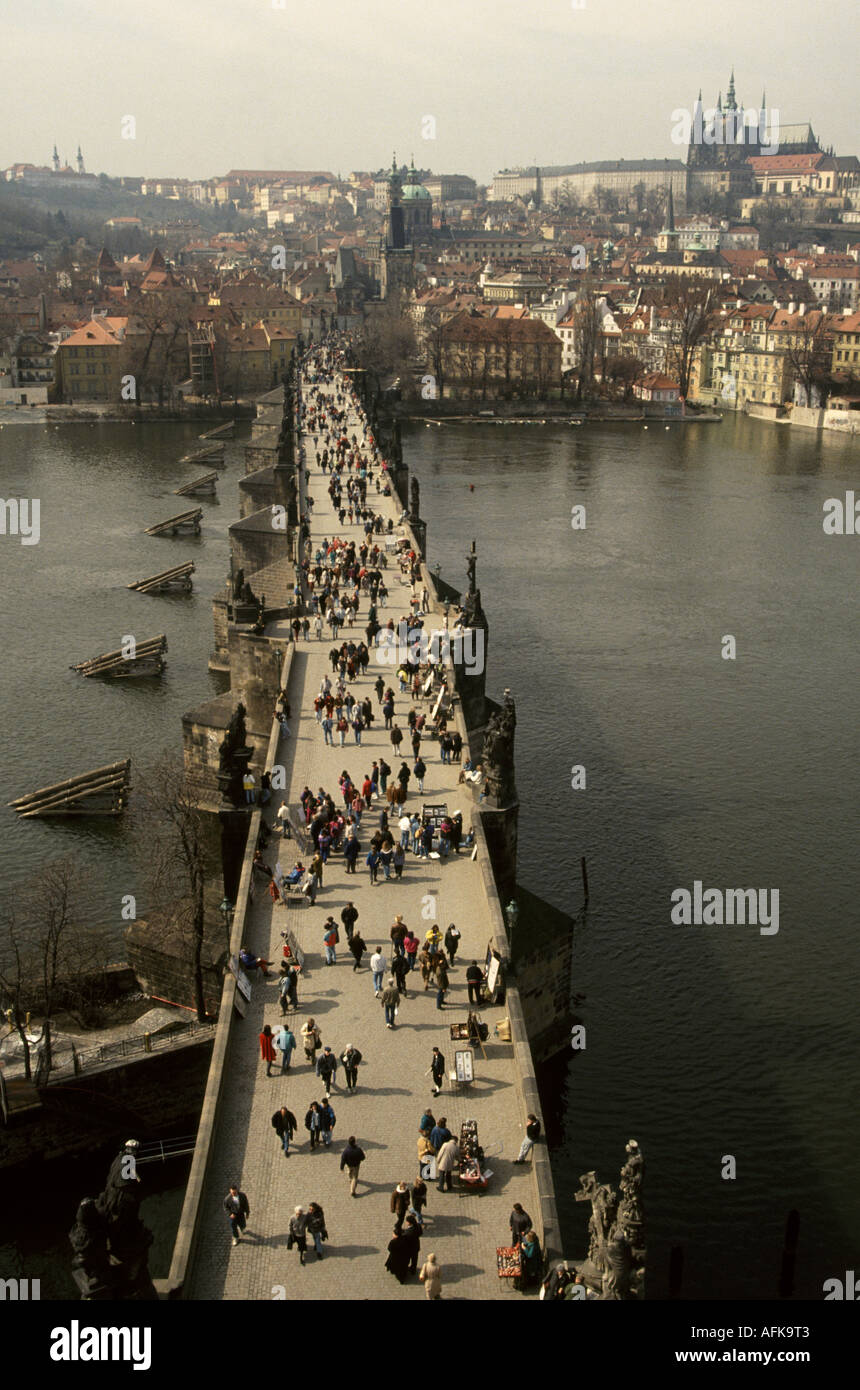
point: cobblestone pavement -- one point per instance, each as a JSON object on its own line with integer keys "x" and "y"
{"x": 463, "y": 1228}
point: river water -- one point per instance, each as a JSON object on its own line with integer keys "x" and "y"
{"x": 65, "y": 599}
{"x": 702, "y": 1042}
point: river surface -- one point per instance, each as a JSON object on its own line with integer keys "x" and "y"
{"x": 702, "y": 1041}
{"x": 65, "y": 599}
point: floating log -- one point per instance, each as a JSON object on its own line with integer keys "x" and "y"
{"x": 210, "y": 451}
{"x": 184, "y": 524}
{"x": 148, "y": 660}
{"x": 102, "y": 792}
{"x": 200, "y": 487}
{"x": 224, "y": 431}
{"x": 177, "y": 578}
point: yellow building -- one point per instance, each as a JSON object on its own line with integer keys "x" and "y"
{"x": 280, "y": 341}
{"x": 90, "y": 361}
{"x": 846, "y": 345}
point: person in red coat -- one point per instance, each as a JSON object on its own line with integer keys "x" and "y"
{"x": 267, "y": 1048}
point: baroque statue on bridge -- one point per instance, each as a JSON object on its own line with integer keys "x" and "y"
{"x": 614, "y": 1265}
{"x": 498, "y": 752}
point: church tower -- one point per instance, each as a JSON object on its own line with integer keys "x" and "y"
{"x": 55, "y": 161}
{"x": 397, "y": 255}
{"x": 396, "y": 226}
{"x": 80, "y": 161}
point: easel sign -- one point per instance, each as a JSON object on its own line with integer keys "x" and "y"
{"x": 464, "y": 1065}
{"x": 241, "y": 978}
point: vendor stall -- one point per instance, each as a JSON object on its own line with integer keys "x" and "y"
{"x": 473, "y": 1172}
{"x": 508, "y": 1261}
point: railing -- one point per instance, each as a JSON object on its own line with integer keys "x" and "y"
{"x": 75, "y": 1061}
{"x": 160, "y": 1150}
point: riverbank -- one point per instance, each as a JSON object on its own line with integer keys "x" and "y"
{"x": 107, "y": 412}
{"x": 549, "y": 413}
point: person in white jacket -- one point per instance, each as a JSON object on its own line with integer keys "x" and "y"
{"x": 379, "y": 967}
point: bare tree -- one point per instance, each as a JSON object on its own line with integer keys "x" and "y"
{"x": 587, "y": 320}
{"x": 809, "y": 353}
{"x": 387, "y": 342}
{"x": 436, "y": 357}
{"x": 46, "y": 955}
{"x": 624, "y": 370}
{"x": 688, "y": 300}
{"x": 176, "y": 863}
{"x": 157, "y": 345}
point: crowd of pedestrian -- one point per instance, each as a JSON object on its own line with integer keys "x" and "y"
{"x": 336, "y": 576}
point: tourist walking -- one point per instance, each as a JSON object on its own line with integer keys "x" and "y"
{"x": 390, "y": 1000}
{"x": 316, "y": 1226}
{"x": 400, "y": 971}
{"x": 452, "y": 942}
{"x": 349, "y": 917}
{"x": 378, "y": 967}
{"x": 437, "y": 1070}
{"x": 410, "y": 947}
{"x": 327, "y": 1121}
{"x": 412, "y": 1233}
{"x": 441, "y": 981}
{"x": 397, "y": 933}
{"x": 310, "y": 1036}
{"x": 313, "y": 1124}
{"x": 238, "y": 1211}
{"x": 419, "y": 1197}
{"x": 425, "y": 960}
{"x": 351, "y": 1059}
{"x": 289, "y": 986}
{"x": 285, "y": 1042}
{"x": 351, "y": 851}
{"x": 285, "y": 1124}
{"x": 326, "y": 1068}
{"x": 447, "y": 1159}
{"x": 358, "y": 948}
{"x": 398, "y": 1256}
{"x": 351, "y": 1159}
{"x": 372, "y": 862}
{"x": 330, "y": 941}
{"x": 267, "y": 1048}
{"x": 399, "y": 1205}
{"x": 298, "y": 1233}
{"x": 532, "y": 1135}
{"x": 431, "y": 1277}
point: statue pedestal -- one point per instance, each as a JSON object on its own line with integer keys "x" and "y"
{"x": 234, "y": 835}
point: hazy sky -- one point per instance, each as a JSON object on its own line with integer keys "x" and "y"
{"x": 219, "y": 84}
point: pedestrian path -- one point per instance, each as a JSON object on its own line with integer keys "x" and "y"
{"x": 462, "y": 1228}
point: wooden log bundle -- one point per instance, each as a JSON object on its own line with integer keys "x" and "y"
{"x": 213, "y": 451}
{"x": 199, "y": 487}
{"x": 148, "y": 660}
{"x": 102, "y": 792}
{"x": 183, "y": 524}
{"x": 177, "y": 578}
{"x": 224, "y": 431}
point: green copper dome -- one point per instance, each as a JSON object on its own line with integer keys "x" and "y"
{"x": 415, "y": 191}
